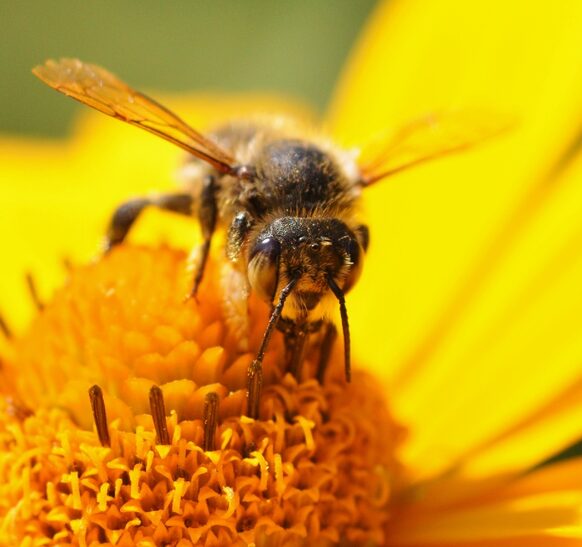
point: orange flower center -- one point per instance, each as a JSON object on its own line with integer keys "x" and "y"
{"x": 124, "y": 421}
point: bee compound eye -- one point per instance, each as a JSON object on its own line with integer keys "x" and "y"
{"x": 355, "y": 254}
{"x": 263, "y": 268}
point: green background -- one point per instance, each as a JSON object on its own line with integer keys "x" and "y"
{"x": 295, "y": 48}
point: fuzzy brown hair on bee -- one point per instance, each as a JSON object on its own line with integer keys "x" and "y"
{"x": 288, "y": 203}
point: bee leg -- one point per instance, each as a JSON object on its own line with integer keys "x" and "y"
{"x": 295, "y": 338}
{"x": 207, "y": 215}
{"x": 235, "y": 283}
{"x": 128, "y": 212}
{"x": 235, "y": 290}
{"x": 329, "y": 336}
{"x": 255, "y": 370}
{"x": 237, "y": 234}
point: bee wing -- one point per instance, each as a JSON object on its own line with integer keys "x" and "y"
{"x": 428, "y": 138}
{"x": 99, "y": 89}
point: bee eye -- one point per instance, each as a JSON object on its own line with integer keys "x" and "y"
{"x": 263, "y": 269}
{"x": 355, "y": 254}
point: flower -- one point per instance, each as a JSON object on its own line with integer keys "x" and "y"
{"x": 474, "y": 326}
{"x": 314, "y": 465}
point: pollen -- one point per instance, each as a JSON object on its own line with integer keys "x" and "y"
{"x": 123, "y": 422}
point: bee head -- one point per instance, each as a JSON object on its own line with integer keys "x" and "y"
{"x": 317, "y": 255}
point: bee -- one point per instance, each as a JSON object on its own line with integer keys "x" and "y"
{"x": 288, "y": 204}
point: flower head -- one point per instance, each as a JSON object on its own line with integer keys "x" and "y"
{"x": 467, "y": 310}
{"x": 173, "y": 457}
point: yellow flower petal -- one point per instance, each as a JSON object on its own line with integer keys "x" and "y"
{"x": 418, "y": 56}
{"x": 555, "y": 477}
{"x": 514, "y": 351}
{"x": 543, "y": 434}
{"x": 523, "y": 522}
{"x": 541, "y": 508}
{"x": 457, "y": 240}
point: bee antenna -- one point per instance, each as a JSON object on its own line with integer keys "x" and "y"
{"x": 345, "y": 325}
{"x": 255, "y": 373}
{"x": 275, "y": 314}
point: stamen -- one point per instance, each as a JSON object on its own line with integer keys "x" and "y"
{"x": 345, "y": 325}
{"x": 6, "y": 331}
{"x": 210, "y": 420}
{"x": 67, "y": 264}
{"x": 32, "y": 289}
{"x": 99, "y": 415}
{"x": 158, "y": 410}
{"x": 254, "y": 388}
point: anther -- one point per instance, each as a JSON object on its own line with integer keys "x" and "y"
{"x": 99, "y": 415}
{"x": 158, "y": 410}
{"x": 210, "y": 420}
{"x": 254, "y": 388}
{"x": 32, "y": 289}
{"x": 4, "y": 328}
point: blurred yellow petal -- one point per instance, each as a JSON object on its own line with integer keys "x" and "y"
{"x": 521, "y": 345}
{"x": 419, "y": 56}
{"x": 549, "y": 478}
{"x": 540, "y": 508}
{"x": 544, "y": 433}
{"x": 473, "y": 315}
{"x": 522, "y": 521}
